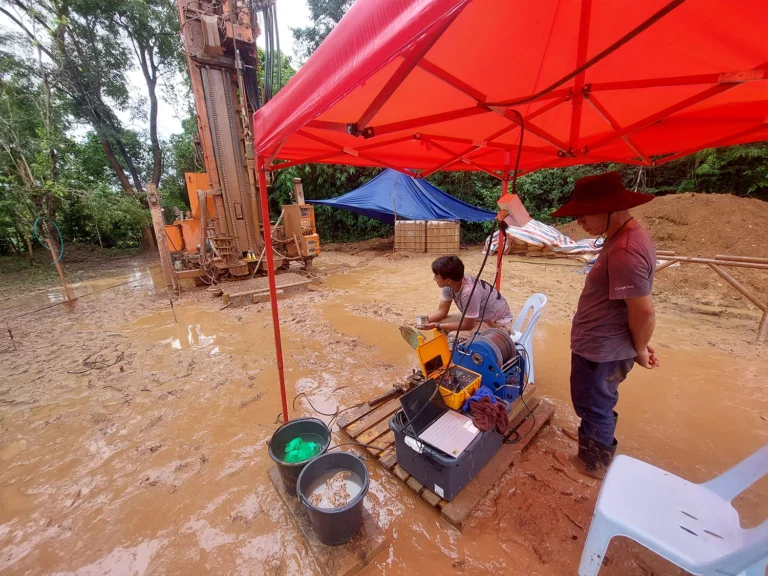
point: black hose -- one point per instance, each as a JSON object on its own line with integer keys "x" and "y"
{"x": 279, "y": 63}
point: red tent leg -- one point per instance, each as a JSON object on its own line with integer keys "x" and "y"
{"x": 502, "y": 240}
{"x": 272, "y": 287}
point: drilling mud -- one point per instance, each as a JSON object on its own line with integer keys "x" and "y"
{"x": 134, "y": 441}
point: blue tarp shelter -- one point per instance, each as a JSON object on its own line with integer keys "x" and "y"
{"x": 392, "y": 192}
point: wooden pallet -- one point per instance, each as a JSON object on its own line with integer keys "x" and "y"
{"x": 255, "y": 289}
{"x": 371, "y": 426}
{"x": 343, "y": 560}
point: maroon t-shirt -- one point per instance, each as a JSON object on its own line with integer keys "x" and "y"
{"x": 624, "y": 269}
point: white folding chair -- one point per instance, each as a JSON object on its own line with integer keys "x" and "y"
{"x": 525, "y": 337}
{"x": 692, "y": 525}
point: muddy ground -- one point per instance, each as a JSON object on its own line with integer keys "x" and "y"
{"x": 133, "y": 441}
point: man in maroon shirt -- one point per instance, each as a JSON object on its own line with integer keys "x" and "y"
{"x": 615, "y": 317}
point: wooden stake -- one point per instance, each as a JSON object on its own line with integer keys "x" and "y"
{"x": 173, "y": 310}
{"x": 171, "y": 282}
{"x": 59, "y": 269}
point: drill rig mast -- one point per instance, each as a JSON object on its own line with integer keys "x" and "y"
{"x": 220, "y": 42}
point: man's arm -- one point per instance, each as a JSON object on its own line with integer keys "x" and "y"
{"x": 467, "y": 324}
{"x": 442, "y": 311}
{"x": 642, "y": 320}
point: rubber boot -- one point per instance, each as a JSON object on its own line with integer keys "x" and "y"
{"x": 593, "y": 457}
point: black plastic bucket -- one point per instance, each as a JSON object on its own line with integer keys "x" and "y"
{"x": 334, "y": 526}
{"x": 289, "y": 471}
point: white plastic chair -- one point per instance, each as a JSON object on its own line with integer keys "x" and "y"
{"x": 525, "y": 337}
{"x": 692, "y": 525}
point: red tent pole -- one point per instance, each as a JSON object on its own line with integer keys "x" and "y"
{"x": 272, "y": 287}
{"x": 502, "y": 238}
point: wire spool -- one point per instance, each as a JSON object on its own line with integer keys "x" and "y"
{"x": 500, "y": 342}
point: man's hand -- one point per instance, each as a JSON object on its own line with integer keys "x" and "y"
{"x": 647, "y": 358}
{"x": 428, "y": 326}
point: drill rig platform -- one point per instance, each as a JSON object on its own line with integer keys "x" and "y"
{"x": 222, "y": 237}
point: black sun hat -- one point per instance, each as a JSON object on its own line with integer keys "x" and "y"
{"x": 600, "y": 194}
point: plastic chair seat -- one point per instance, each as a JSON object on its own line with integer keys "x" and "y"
{"x": 692, "y": 525}
{"x": 682, "y": 521}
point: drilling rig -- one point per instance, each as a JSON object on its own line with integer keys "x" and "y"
{"x": 222, "y": 237}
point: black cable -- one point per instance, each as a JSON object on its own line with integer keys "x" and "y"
{"x": 279, "y": 63}
{"x": 521, "y": 121}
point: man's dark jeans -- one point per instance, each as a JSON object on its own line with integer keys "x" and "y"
{"x": 595, "y": 392}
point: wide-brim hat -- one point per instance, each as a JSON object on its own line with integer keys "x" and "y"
{"x": 600, "y": 194}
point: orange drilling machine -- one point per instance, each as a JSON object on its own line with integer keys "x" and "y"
{"x": 222, "y": 236}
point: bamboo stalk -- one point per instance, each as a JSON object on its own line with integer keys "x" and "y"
{"x": 752, "y": 259}
{"x": 733, "y": 263}
{"x": 736, "y": 284}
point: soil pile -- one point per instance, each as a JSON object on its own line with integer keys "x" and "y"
{"x": 704, "y": 225}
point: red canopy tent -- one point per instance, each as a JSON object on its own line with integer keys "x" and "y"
{"x": 427, "y": 85}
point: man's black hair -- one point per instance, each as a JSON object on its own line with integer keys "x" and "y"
{"x": 449, "y": 267}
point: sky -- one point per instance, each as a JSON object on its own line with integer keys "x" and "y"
{"x": 290, "y": 14}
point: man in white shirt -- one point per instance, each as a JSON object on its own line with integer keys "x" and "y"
{"x": 484, "y": 305}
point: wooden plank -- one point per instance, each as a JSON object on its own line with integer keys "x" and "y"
{"x": 372, "y": 433}
{"x": 414, "y": 485}
{"x": 353, "y": 415}
{"x": 388, "y": 458}
{"x": 430, "y": 497}
{"x": 385, "y": 441}
{"x": 261, "y": 290}
{"x": 196, "y": 273}
{"x": 458, "y": 510}
{"x": 400, "y": 472}
{"x": 344, "y": 560}
{"x": 379, "y": 414}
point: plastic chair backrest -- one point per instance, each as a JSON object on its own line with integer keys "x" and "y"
{"x": 536, "y": 302}
{"x": 734, "y": 481}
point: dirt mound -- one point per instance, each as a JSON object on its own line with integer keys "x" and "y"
{"x": 704, "y": 225}
{"x": 701, "y": 224}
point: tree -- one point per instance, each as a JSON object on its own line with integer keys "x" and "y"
{"x": 325, "y": 14}
{"x": 153, "y": 31}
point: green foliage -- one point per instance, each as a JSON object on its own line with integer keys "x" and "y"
{"x": 286, "y": 69}
{"x": 104, "y": 216}
{"x": 325, "y": 14}
{"x": 181, "y": 157}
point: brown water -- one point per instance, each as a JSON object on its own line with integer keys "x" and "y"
{"x": 157, "y": 464}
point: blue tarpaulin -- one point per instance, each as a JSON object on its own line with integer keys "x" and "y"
{"x": 393, "y": 193}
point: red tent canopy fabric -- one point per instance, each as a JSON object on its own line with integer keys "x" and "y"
{"x": 431, "y": 85}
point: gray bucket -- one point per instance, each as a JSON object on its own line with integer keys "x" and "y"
{"x": 289, "y": 471}
{"x": 334, "y": 526}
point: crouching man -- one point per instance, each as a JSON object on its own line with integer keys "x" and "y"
{"x": 485, "y": 306}
{"x": 615, "y": 317}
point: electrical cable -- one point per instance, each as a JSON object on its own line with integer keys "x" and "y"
{"x": 521, "y": 121}
{"x": 277, "y": 38}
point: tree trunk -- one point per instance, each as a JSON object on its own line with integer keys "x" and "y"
{"x": 129, "y": 162}
{"x": 30, "y": 251}
{"x": 148, "y": 241}
{"x": 157, "y": 155}
{"x": 109, "y": 152}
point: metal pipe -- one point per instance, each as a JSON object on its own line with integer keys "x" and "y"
{"x": 272, "y": 287}
{"x": 752, "y": 259}
{"x": 736, "y": 264}
{"x": 736, "y": 284}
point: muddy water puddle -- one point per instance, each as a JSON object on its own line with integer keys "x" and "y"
{"x": 158, "y": 464}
